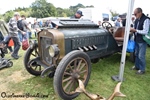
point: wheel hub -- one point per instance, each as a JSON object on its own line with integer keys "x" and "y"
{"x": 75, "y": 75}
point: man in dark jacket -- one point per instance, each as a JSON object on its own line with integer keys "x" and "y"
{"x": 141, "y": 28}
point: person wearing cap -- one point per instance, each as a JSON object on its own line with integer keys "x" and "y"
{"x": 13, "y": 33}
{"x": 78, "y": 15}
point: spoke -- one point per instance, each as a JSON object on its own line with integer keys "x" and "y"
{"x": 33, "y": 54}
{"x": 67, "y": 79}
{"x": 74, "y": 85}
{"x": 109, "y": 25}
{"x": 66, "y": 86}
{"x": 36, "y": 52}
{"x": 35, "y": 68}
{"x": 82, "y": 67}
{"x": 75, "y": 64}
{"x": 83, "y": 71}
{"x": 70, "y": 86}
{"x": 66, "y": 73}
{"x": 79, "y": 64}
{"x": 39, "y": 68}
{"x": 70, "y": 68}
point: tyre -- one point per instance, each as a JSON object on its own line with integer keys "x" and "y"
{"x": 75, "y": 65}
{"x": 33, "y": 68}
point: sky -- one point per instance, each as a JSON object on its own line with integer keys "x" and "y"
{"x": 120, "y": 6}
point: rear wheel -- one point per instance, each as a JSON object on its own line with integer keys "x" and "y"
{"x": 75, "y": 65}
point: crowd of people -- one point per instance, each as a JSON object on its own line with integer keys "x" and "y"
{"x": 19, "y": 29}
{"x": 122, "y": 22}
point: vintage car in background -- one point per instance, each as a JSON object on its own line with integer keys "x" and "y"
{"x": 67, "y": 52}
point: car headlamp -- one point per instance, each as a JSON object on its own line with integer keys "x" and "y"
{"x": 53, "y": 50}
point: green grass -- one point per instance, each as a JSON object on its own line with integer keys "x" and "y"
{"x": 136, "y": 87}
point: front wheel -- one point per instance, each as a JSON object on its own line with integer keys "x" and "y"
{"x": 31, "y": 66}
{"x": 75, "y": 65}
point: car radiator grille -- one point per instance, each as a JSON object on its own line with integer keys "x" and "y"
{"x": 45, "y": 43}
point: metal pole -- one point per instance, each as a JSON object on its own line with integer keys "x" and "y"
{"x": 126, "y": 37}
{"x": 125, "y": 42}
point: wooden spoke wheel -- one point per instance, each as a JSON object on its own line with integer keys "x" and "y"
{"x": 31, "y": 66}
{"x": 75, "y": 65}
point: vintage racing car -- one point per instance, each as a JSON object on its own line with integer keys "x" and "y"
{"x": 67, "y": 52}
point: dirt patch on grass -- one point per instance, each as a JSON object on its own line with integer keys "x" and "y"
{"x": 17, "y": 76}
{"x": 3, "y": 87}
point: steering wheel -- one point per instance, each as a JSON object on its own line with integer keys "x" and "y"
{"x": 106, "y": 25}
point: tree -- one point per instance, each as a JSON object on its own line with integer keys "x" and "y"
{"x": 23, "y": 11}
{"x": 1, "y": 16}
{"x": 8, "y": 15}
{"x": 61, "y": 12}
{"x": 91, "y": 6}
{"x": 113, "y": 13}
{"x": 41, "y": 9}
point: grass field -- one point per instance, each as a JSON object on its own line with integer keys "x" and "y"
{"x": 136, "y": 87}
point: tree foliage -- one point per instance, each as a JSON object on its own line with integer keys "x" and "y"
{"x": 113, "y": 13}
{"x": 1, "y": 16}
{"x": 8, "y": 15}
{"x": 73, "y": 9}
{"x": 42, "y": 8}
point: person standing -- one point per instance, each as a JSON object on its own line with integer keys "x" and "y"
{"x": 29, "y": 30}
{"x": 36, "y": 27}
{"x": 118, "y": 22}
{"x": 141, "y": 27}
{"x": 100, "y": 24}
{"x": 13, "y": 33}
{"x": 24, "y": 27}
